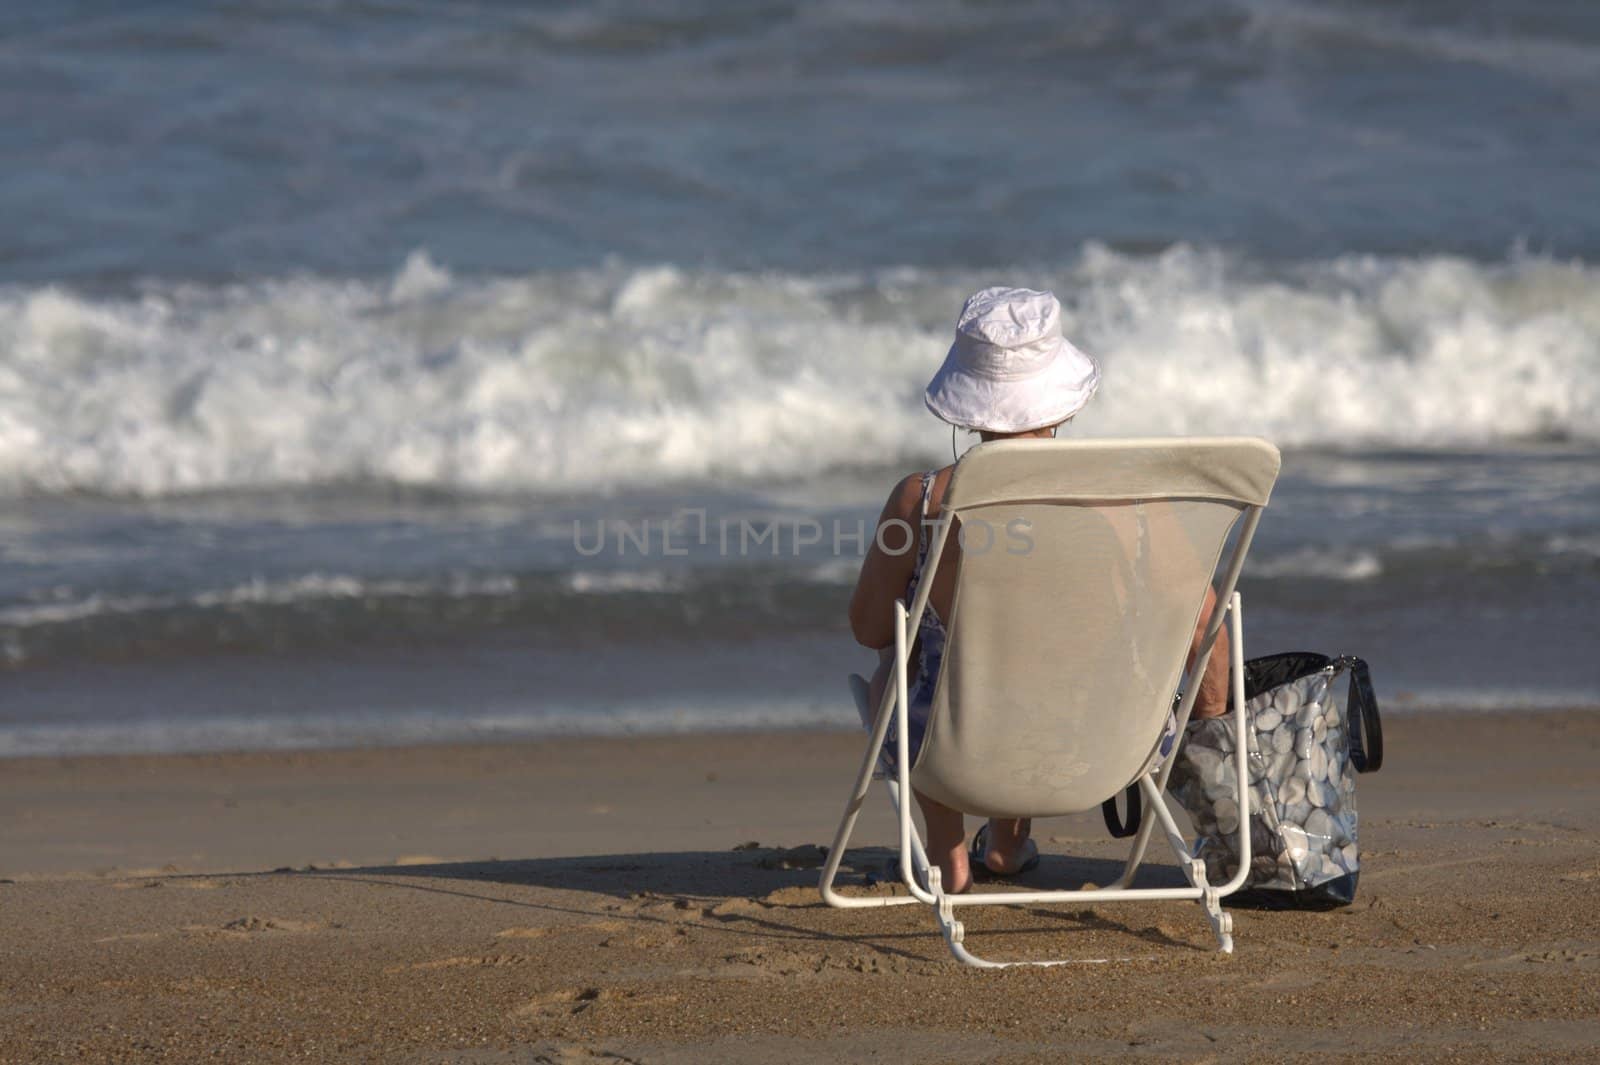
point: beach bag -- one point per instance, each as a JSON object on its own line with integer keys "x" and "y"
{"x": 1313, "y": 726}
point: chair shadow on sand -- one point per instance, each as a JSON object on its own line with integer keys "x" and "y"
{"x": 762, "y": 893}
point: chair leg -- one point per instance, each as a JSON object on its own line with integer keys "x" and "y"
{"x": 847, "y": 824}
{"x": 922, "y": 869}
{"x": 1221, "y": 923}
{"x": 1193, "y": 868}
{"x": 841, "y": 839}
{"x": 914, "y": 858}
{"x": 955, "y": 933}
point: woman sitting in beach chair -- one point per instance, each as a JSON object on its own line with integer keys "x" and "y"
{"x": 1009, "y": 375}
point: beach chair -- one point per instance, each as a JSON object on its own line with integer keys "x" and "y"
{"x": 1064, "y": 654}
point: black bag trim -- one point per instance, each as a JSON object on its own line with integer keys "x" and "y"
{"x": 1328, "y": 895}
{"x": 1269, "y": 671}
{"x": 1118, "y": 827}
{"x": 1366, "y": 726}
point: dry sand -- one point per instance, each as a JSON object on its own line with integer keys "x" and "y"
{"x": 583, "y": 901}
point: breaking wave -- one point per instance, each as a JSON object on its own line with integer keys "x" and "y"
{"x": 581, "y": 382}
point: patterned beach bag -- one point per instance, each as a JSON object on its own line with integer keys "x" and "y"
{"x": 1314, "y": 726}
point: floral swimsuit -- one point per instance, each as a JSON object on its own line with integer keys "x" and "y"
{"x": 930, "y": 648}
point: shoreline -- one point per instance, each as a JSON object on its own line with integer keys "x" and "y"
{"x": 1393, "y": 707}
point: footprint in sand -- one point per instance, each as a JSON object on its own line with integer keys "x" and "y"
{"x": 269, "y": 925}
{"x": 572, "y": 1001}
{"x": 661, "y": 907}
{"x": 676, "y": 938}
{"x": 679, "y": 910}
{"x": 568, "y": 1002}
{"x": 809, "y": 856}
{"x": 572, "y": 1054}
{"x": 729, "y": 908}
{"x": 464, "y": 961}
{"x": 130, "y": 937}
{"x": 766, "y": 961}
{"x": 1566, "y": 954}
{"x": 800, "y": 895}
{"x": 1584, "y": 955}
{"x": 523, "y": 933}
{"x": 770, "y": 962}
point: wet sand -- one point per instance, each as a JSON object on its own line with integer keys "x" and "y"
{"x": 586, "y": 900}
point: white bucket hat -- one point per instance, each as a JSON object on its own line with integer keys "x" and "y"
{"x": 1010, "y": 369}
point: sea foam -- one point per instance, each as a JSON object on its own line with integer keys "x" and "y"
{"x": 586, "y": 381}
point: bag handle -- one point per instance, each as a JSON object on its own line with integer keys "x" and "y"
{"x": 1366, "y": 727}
{"x": 1118, "y": 827}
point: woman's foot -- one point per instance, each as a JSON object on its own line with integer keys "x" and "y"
{"x": 955, "y": 872}
{"x": 947, "y": 845}
{"x": 1008, "y": 847}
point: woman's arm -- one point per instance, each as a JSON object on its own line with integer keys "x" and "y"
{"x": 885, "y": 573}
{"x": 1212, "y": 699}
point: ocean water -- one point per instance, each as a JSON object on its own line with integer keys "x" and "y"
{"x": 335, "y": 337}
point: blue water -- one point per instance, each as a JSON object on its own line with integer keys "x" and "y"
{"x": 321, "y": 324}
{"x": 212, "y": 141}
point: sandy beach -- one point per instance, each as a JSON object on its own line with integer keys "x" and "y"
{"x": 653, "y": 900}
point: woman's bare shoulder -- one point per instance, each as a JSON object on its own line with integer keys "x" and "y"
{"x": 905, "y": 499}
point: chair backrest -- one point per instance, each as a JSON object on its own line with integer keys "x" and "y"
{"x": 1081, "y": 580}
